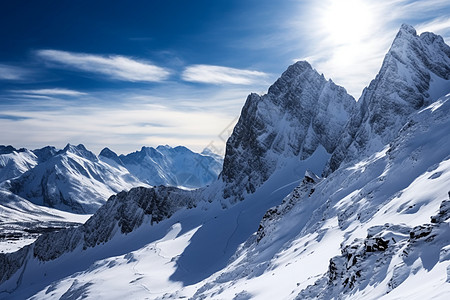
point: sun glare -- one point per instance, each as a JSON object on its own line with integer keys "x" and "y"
{"x": 347, "y": 21}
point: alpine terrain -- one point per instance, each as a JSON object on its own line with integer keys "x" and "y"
{"x": 48, "y": 189}
{"x": 320, "y": 197}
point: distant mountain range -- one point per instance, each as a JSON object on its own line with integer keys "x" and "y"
{"x": 76, "y": 180}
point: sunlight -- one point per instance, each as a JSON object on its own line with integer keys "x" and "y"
{"x": 347, "y": 21}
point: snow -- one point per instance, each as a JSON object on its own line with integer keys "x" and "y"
{"x": 76, "y": 180}
{"x": 378, "y": 227}
{"x": 15, "y": 163}
{"x": 18, "y": 214}
{"x": 197, "y": 243}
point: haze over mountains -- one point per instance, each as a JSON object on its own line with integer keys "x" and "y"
{"x": 320, "y": 196}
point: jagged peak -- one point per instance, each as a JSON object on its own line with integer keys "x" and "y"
{"x": 79, "y": 150}
{"x": 297, "y": 68}
{"x": 294, "y": 76}
{"x": 70, "y": 146}
{"x": 302, "y": 64}
{"x": 106, "y": 152}
{"x": 407, "y": 29}
{"x": 164, "y": 147}
{"x": 7, "y": 149}
{"x": 45, "y": 153}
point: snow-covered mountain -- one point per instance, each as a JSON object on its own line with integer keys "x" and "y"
{"x": 375, "y": 227}
{"x": 14, "y": 162}
{"x": 169, "y": 166}
{"x": 414, "y": 73}
{"x": 371, "y": 230}
{"x": 301, "y": 112}
{"x": 74, "y": 179}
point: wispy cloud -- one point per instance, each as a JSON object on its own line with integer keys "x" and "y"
{"x": 8, "y": 72}
{"x": 221, "y": 75}
{"x": 440, "y": 25}
{"x": 113, "y": 66}
{"x": 173, "y": 113}
{"x": 51, "y": 92}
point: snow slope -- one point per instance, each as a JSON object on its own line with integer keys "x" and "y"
{"x": 21, "y": 221}
{"x": 376, "y": 227}
{"x": 383, "y": 197}
{"x": 14, "y": 162}
{"x": 218, "y": 233}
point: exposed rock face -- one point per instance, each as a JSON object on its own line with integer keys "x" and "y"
{"x": 365, "y": 260}
{"x": 300, "y": 193}
{"x": 301, "y": 111}
{"x": 412, "y": 75}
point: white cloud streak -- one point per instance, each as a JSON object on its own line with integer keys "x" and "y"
{"x": 439, "y": 25}
{"x": 113, "y": 66}
{"x": 221, "y": 75}
{"x": 51, "y": 92}
{"x": 13, "y": 73}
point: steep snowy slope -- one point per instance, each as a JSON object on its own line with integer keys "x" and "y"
{"x": 74, "y": 180}
{"x": 364, "y": 231}
{"x": 415, "y": 71}
{"x": 300, "y": 112}
{"x": 197, "y": 240}
{"x": 165, "y": 165}
{"x": 367, "y": 227}
{"x": 15, "y": 162}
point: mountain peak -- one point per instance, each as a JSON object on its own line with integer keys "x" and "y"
{"x": 45, "y": 153}
{"x": 301, "y": 113}
{"x": 79, "y": 150}
{"x": 293, "y": 77}
{"x": 414, "y": 73}
{"x": 301, "y": 64}
{"x": 7, "y": 149}
{"x": 408, "y": 29}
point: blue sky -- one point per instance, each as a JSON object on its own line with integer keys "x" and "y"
{"x": 124, "y": 74}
